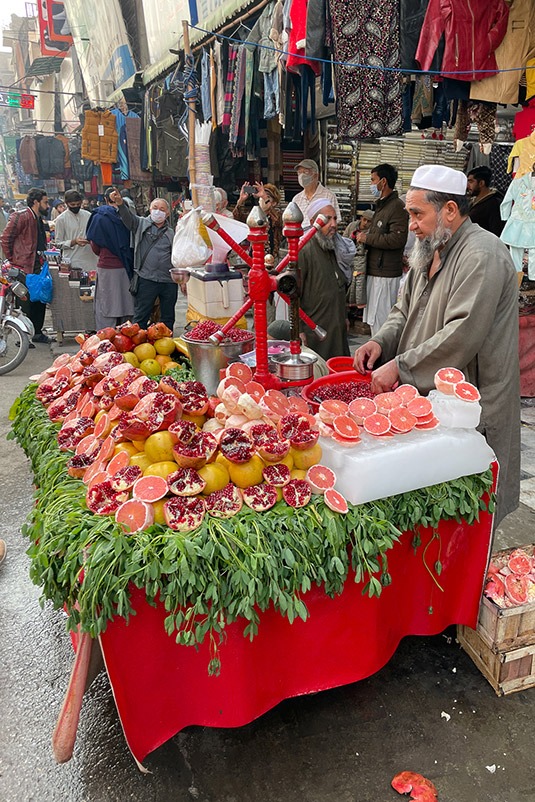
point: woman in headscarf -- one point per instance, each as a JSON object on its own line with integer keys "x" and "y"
{"x": 110, "y": 240}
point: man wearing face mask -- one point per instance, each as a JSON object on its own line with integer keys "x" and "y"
{"x": 308, "y": 178}
{"x": 71, "y": 228}
{"x": 153, "y": 242}
{"x": 385, "y": 241}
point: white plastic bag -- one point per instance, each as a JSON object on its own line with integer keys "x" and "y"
{"x": 189, "y": 248}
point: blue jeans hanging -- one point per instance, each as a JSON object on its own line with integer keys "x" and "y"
{"x": 271, "y": 94}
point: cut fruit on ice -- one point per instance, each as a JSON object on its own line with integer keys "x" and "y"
{"x": 387, "y": 401}
{"x": 447, "y": 378}
{"x": 135, "y": 515}
{"x": 241, "y": 371}
{"x": 150, "y": 488}
{"x": 362, "y": 408}
{"x": 429, "y": 424}
{"x": 466, "y": 392}
{"x": 320, "y": 478}
{"x": 402, "y": 420}
{"x": 343, "y": 441}
{"x": 335, "y": 501}
{"x": 420, "y": 407}
{"x": 346, "y": 427}
{"x": 406, "y": 392}
{"x": 376, "y": 424}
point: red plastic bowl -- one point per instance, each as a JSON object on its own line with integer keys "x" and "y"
{"x": 333, "y": 378}
{"x": 340, "y": 364}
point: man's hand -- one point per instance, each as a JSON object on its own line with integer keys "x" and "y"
{"x": 385, "y": 377}
{"x": 79, "y": 241}
{"x": 361, "y": 237}
{"x": 366, "y": 356}
{"x": 116, "y": 197}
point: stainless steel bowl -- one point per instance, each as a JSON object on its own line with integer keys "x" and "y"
{"x": 294, "y": 367}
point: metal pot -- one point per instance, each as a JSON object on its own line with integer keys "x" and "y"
{"x": 294, "y": 367}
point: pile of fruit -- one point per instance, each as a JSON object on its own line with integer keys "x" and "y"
{"x": 163, "y": 451}
{"x": 511, "y": 579}
{"x": 204, "y": 330}
{"x": 147, "y": 349}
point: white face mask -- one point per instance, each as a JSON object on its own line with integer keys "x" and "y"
{"x": 374, "y": 189}
{"x": 157, "y": 215}
{"x": 305, "y": 180}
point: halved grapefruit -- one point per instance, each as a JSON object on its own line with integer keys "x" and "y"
{"x": 255, "y": 390}
{"x": 466, "y": 392}
{"x": 343, "y": 441}
{"x": 402, "y": 420}
{"x": 241, "y": 371}
{"x": 387, "y": 401}
{"x": 447, "y": 378}
{"x": 331, "y": 408}
{"x": 420, "y": 407}
{"x": 362, "y": 408}
{"x": 120, "y": 460}
{"x": 275, "y": 404}
{"x": 150, "y": 488}
{"x": 320, "y": 478}
{"x": 406, "y": 392}
{"x": 376, "y": 424}
{"x": 346, "y": 427}
{"x": 335, "y": 501}
{"x": 134, "y": 515}
{"x": 430, "y": 424}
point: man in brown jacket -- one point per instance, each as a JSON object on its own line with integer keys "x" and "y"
{"x": 23, "y": 241}
{"x": 385, "y": 240}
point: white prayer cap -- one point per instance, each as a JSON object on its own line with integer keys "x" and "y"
{"x": 317, "y": 205}
{"x": 438, "y": 178}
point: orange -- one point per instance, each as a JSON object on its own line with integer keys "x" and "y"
{"x": 139, "y": 444}
{"x": 128, "y": 447}
{"x": 215, "y": 475}
{"x": 150, "y": 367}
{"x": 288, "y": 460}
{"x": 306, "y": 458}
{"x": 198, "y": 420}
{"x": 246, "y": 474}
{"x": 157, "y": 506}
{"x": 162, "y": 360}
{"x": 159, "y": 447}
{"x": 165, "y": 345}
{"x": 162, "y": 469}
{"x": 145, "y": 351}
{"x": 298, "y": 474}
{"x": 130, "y": 357}
{"x": 141, "y": 460}
{"x": 169, "y": 366}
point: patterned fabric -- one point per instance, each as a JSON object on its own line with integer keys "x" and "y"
{"x": 368, "y": 102}
{"x": 229, "y": 88}
{"x": 237, "y": 124}
{"x": 498, "y": 164}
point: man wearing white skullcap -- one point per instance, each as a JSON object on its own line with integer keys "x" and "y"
{"x": 458, "y": 308}
{"x": 324, "y": 282}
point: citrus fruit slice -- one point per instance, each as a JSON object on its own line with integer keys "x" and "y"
{"x": 331, "y": 408}
{"x": 420, "y": 407}
{"x": 230, "y": 381}
{"x": 298, "y": 404}
{"x": 431, "y": 424}
{"x": 97, "y": 478}
{"x": 387, "y": 401}
{"x": 343, "y": 441}
{"x": 120, "y": 460}
{"x": 519, "y": 562}
{"x": 97, "y": 467}
{"x": 88, "y": 409}
{"x": 406, "y": 392}
{"x": 425, "y": 418}
{"x": 134, "y": 515}
{"x": 320, "y": 478}
{"x": 241, "y": 371}
{"x": 402, "y": 420}
{"x": 102, "y": 426}
{"x": 107, "y": 448}
{"x": 361, "y": 408}
{"x": 114, "y": 412}
{"x": 376, "y": 424}
{"x": 516, "y": 588}
{"x": 447, "y": 378}
{"x": 150, "y": 488}
{"x": 466, "y": 392}
{"x": 275, "y": 404}
{"x": 346, "y": 427}
{"x": 255, "y": 390}
{"x": 335, "y": 501}
{"x": 87, "y": 445}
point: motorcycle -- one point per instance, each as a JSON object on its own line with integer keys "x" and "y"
{"x": 16, "y": 328}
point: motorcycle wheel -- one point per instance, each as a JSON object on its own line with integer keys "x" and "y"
{"x": 14, "y": 345}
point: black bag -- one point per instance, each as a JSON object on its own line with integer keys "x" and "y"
{"x": 134, "y": 283}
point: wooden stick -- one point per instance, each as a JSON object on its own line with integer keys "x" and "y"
{"x": 64, "y": 735}
{"x": 191, "y": 124}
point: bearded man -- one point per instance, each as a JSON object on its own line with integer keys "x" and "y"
{"x": 325, "y": 263}
{"x": 458, "y": 308}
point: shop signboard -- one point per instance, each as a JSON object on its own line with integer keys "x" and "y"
{"x": 17, "y": 100}
{"x": 102, "y": 46}
{"x": 49, "y": 46}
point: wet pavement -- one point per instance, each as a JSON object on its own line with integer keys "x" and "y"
{"x": 429, "y": 710}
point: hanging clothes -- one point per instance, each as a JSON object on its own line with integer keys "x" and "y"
{"x": 483, "y": 115}
{"x": 473, "y": 30}
{"x": 368, "y": 101}
{"x": 237, "y": 118}
{"x": 412, "y": 15}
{"x": 220, "y": 81}
{"x": 524, "y": 151}
{"x": 82, "y": 169}
{"x": 229, "y": 87}
{"x": 518, "y": 208}
{"x": 50, "y": 157}
{"x": 99, "y": 136}
{"x": 28, "y": 155}
{"x": 122, "y": 142}
{"x": 133, "y": 142}
{"x": 511, "y": 53}
{"x": 524, "y": 121}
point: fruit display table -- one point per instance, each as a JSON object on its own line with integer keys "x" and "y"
{"x": 160, "y": 687}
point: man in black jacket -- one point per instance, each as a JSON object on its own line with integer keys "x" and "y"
{"x": 485, "y": 207}
{"x": 385, "y": 241}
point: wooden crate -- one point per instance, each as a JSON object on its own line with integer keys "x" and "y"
{"x": 507, "y": 671}
{"x": 503, "y": 644}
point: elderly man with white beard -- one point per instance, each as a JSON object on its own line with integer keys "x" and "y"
{"x": 458, "y": 308}
{"x": 325, "y": 263}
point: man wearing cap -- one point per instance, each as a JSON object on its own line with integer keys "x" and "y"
{"x": 308, "y": 178}
{"x": 324, "y": 281}
{"x": 458, "y": 308}
{"x": 384, "y": 241}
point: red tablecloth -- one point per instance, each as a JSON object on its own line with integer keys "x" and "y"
{"x": 160, "y": 688}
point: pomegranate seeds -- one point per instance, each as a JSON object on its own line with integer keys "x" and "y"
{"x": 344, "y": 391}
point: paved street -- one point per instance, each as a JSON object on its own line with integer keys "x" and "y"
{"x": 343, "y": 745}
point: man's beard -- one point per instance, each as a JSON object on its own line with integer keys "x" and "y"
{"x": 423, "y": 250}
{"x": 325, "y": 243}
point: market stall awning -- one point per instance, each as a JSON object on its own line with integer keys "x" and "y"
{"x": 47, "y": 65}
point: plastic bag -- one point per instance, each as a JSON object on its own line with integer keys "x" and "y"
{"x": 40, "y": 285}
{"x": 189, "y": 248}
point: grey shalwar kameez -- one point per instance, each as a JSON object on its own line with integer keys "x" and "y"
{"x": 466, "y": 317}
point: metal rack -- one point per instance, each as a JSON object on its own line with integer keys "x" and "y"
{"x": 70, "y": 313}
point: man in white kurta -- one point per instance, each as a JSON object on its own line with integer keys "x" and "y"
{"x": 71, "y": 226}
{"x": 458, "y": 308}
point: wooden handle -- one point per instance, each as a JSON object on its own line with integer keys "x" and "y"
{"x": 64, "y": 735}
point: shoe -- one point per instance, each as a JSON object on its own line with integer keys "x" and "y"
{"x": 3, "y": 551}
{"x": 31, "y": 345}
{"x": 41, "y": 338}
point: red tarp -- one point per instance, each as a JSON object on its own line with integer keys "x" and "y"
{"x": 160, "y": 688}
